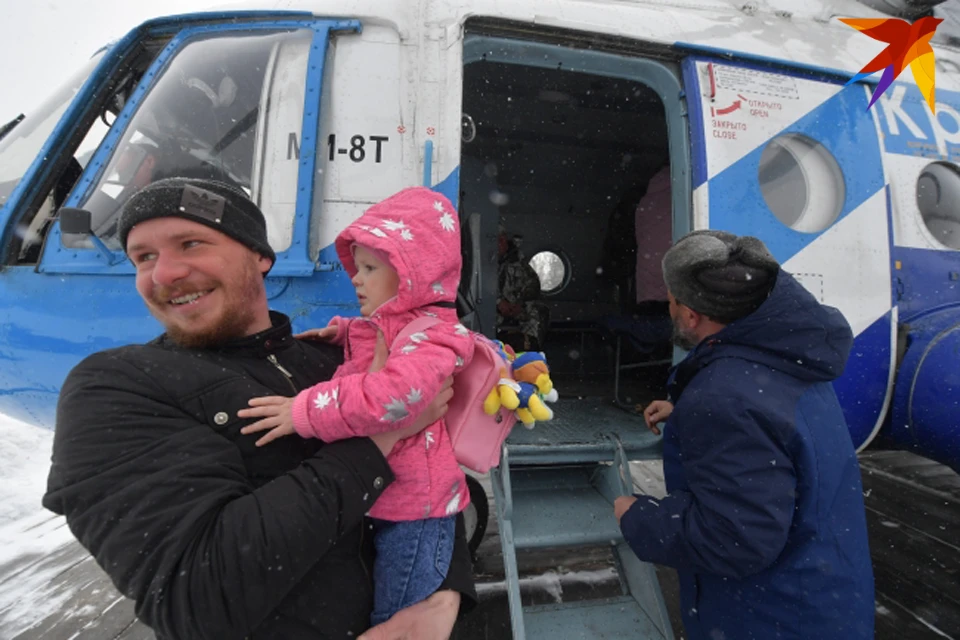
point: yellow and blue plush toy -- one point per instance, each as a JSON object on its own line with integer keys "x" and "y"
{"x": 524, "y": 388}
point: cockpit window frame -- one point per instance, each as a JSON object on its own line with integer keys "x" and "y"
{"x": 295, "y": 260}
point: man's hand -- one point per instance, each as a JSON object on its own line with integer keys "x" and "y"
{"x": 432, "y": 619}
{"x": 656, "y": 412}
{"x": 622, "y": 504}
{"x": 434, "y": 411}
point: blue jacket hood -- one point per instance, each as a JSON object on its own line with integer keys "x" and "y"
{"x": 790, "y": 332}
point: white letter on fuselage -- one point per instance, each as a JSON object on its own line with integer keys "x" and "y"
{"x": 942, "y": 135}
{"x": 893, "y": 109}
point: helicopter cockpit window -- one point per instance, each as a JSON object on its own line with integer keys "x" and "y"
{"x": 227, "y": 108}
{"x": 23, "y": 142}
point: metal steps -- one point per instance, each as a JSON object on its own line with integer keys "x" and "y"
{"x": 591, "y": 619}
{"x": 555, "y": 488}
{"x": 561, "y": 506}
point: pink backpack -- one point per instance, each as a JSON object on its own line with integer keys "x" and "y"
{"x": 476, "y": 436}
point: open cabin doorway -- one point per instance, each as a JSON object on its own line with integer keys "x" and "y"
{"x": 568, "y": 191}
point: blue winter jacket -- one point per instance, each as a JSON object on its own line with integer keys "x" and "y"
{"x": 764, "y": 518}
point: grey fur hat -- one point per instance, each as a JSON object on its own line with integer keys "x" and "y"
{"x": 719, "y": 274}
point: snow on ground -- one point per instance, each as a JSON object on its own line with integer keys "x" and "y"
{"x": 31, "y": 536}
{"x": 24, "y": 463}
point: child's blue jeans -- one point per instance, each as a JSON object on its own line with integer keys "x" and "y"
{"x": 412, "y": 561}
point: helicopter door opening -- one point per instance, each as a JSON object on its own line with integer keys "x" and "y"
{"x": 568, "y": 207}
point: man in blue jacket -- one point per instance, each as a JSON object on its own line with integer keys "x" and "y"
{"x": 764, "y": 517}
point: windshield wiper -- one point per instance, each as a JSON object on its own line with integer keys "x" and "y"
{"x": 7, "y": 128}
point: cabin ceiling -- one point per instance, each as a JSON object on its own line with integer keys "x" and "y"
{"x": 543, "y": 127}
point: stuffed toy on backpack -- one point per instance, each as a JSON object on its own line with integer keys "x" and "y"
{"x": 532, "y": 375}
{"x": 523, "y": 388}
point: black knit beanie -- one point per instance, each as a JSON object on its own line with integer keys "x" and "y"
{"x": 209, "y": 202}
{"x": 720, "y": 275}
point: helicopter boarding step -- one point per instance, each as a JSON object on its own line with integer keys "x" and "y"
{"x": 555, "y": 488}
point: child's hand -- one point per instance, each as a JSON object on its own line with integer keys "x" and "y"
{"x": 276, "y": 413}
{"x": 657, "y": 411}
{"x": 326, "y": 334}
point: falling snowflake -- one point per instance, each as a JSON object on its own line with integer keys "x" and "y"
{"x": 438, "y": 205}
{"x": 378, "y": 232}
{"x": 321, "y": 401}
{"x": 461, "y": 330}
{"x": 410, "y": 348}
{"x": 396, "y": 411}
{"x": 446, "y": 221}
{"x": 415, "y": 396}
{"x": 438, "y": 288}
{"x": 428, "y": 437}
{"x": 454, "y": 505}
{"x": 406, "y": 235}
{"x": 418, "y": 337}
{"x": 393, "y": 225}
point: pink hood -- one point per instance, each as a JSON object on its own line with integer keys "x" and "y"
{"x": 416, "y": 226}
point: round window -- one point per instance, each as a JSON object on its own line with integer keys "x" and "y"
{"x": 801, "y": 182}
{"x": 938, "y": 198}
{"x": 551, "y": 269}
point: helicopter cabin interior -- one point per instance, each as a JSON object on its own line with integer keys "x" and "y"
{"x": 565, "y": 173}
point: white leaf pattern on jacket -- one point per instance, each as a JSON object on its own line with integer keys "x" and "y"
{"x": 446, "y": 221}
{"x": 454, "y": 505}
{"x": 321, "y": 401}
{"x": 396, "y": 411}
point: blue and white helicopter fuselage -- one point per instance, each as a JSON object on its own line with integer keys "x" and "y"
{"x": 324, "y": 107}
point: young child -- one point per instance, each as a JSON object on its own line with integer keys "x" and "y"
{"x": 403, "y": 256}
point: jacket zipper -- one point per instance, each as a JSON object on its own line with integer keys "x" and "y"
{"x": 286, "y": 374}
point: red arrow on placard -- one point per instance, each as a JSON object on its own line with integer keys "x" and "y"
{"x": 722, "y": 112}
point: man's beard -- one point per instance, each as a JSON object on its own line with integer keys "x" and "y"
{"x": 232, "y": 327}
{"x": 236, "y": 315}
{"x": 683, "y": 338}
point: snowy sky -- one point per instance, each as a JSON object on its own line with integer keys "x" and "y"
{"x": 44, "y": 41}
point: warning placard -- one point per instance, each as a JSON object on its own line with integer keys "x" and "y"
{"x": 742, "y": 80}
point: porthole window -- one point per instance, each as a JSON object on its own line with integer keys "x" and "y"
{"x": 938, "y": 198}
{"x": 552, "y": 270}
{"x": 801, "y": 182}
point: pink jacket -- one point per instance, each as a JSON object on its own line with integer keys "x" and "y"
{"x": 419, "y": 232}
{"x": 654, "y": 228}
